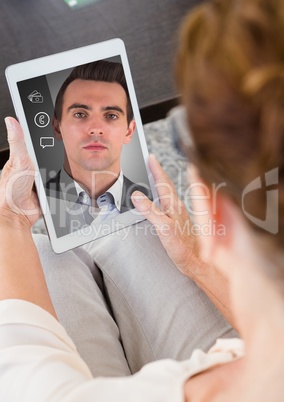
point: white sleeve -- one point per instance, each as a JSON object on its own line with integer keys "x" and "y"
{"x": 39, "y": 362}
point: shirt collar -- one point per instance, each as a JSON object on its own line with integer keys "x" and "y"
{"x": 115, "y": 191}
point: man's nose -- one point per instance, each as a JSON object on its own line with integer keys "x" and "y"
{"x": 95, "y": 131}
{"x": 95, "y": 128}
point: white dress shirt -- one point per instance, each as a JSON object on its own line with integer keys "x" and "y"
{"x": 109, "y": 203}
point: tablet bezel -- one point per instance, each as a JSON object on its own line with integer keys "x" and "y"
{"x": 58, "y": 62}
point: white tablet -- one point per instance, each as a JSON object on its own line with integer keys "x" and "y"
{"x": 84, "y": 133}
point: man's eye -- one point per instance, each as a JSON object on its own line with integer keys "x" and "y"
{"x": 112, "y": 116}
{"x": 79, "y": 115}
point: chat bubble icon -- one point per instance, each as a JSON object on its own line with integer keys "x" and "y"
{"x": 46, "y": 142}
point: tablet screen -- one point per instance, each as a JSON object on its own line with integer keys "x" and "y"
{"x": 89, "y": 154}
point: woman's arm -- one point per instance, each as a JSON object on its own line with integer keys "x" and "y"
{"x": 21, "y": 275}
{"x": 174, "y": 227}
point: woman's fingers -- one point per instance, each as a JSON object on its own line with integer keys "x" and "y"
{"x": 171, "y": 207}
{"x": 148, "y": 209}
{"x": 164, "y": 186}
{"x": 18, "y": 150}
{"x": 17, "y": 197}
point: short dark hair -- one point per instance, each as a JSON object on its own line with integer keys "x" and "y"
{"x": 102, "y": 70}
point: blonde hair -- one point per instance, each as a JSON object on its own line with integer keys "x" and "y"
{"x": 230, "y": 70}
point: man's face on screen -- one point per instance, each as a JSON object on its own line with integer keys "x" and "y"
{"x": 93, "y": 126}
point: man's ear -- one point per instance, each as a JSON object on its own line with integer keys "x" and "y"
{"x": 130, "y": 131}
{"x": 56, "y": 129}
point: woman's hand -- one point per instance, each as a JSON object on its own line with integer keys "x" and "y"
{"x": 174, "y": 229}
{"x": 171, "y": 221}
{"x": 18, "y": 201}
{"x": 20, "y": 268}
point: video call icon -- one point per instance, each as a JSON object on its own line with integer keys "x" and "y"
{"x": 35, "y": 97}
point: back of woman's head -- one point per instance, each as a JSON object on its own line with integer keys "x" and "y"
{"x": 230, "y": 70}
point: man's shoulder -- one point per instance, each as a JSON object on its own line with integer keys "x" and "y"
{"x": 54, "y": 181}
{"x": 128, "y": 188}
{"x": 52, "y": 186}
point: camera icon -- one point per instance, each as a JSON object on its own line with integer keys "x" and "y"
{"x": 35, "y": 97}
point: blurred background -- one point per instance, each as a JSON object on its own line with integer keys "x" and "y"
{"x": 36, "y": 28}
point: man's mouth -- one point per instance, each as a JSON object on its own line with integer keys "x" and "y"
{"x": 95, "y": 147}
